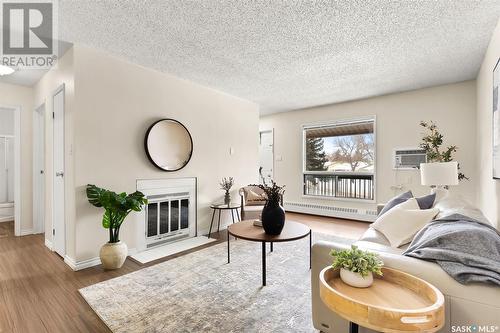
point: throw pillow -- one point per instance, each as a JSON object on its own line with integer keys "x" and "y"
{"x": 427, "y": 201}
{"x": 254, "y": 198}
{"x": 400, "y": 224}
{"x": 396, "y": 201}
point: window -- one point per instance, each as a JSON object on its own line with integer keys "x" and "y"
{"x": 339, "y": 159}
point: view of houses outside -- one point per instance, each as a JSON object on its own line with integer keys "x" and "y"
{"x": 350, "y": 153}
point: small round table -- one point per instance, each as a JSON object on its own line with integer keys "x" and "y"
{"x": 220, "y": 208}
{"x": 246, "y": 230}
{"x": 396, "y": 302}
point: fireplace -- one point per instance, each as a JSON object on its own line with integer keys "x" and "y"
{"x": 170, "y": 214}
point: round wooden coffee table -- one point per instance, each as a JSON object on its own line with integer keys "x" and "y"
{"x": 247, "y": 231}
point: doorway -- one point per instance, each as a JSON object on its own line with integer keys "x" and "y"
{"x": 10, "y": 164}
{"x": 266, "y": 156}
{"x": 39, "y": 169}
{"x": 58, "y": 201}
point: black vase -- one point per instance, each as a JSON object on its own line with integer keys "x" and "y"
{"x": 273, "y": 218}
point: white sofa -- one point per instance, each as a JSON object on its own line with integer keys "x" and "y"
{"x": 465, "y": 305}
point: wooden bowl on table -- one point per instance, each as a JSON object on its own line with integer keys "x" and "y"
{"x": 396, "y": 302}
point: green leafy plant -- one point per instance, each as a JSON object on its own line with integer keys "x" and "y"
{"x": 273, "y": 193}
{"x": 357, "y": 261}
{"x": 432, "y": 142}
{"x": 116, "y": 207}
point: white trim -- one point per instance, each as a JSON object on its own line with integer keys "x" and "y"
{"x": 25, "y": 232}
{"x": 79, "y": 265}
{"x": 59, "y": 89}
{"x": 38, "y": 150}
{"x": 17, "y": 167}
{"x": 48, "y": 244}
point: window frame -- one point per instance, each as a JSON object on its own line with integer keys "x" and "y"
{"x": 330, "y": 123}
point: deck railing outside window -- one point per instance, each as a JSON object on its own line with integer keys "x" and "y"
{"x": 340, "y": 185}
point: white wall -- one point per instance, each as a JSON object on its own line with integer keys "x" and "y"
{"x": 488, "y": 188}
{"x": 116, "y": 101}
{"x": 452, "y": 107}
{"x": 14, "y": 95}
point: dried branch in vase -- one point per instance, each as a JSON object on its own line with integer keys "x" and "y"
{"x": 226, "y": 183}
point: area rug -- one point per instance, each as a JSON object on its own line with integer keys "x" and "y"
{"x": 201, "y": 292}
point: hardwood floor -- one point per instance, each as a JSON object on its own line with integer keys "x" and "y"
{"x": 39, "y": 292}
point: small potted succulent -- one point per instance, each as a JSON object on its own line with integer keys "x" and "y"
{"x": 357, "y": 266}
{"x": 273, "y": 214}
{"x": 116, "y": 209}
{"x": 226, "y": 184}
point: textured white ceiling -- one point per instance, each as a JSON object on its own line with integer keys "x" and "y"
{"x": 287, "y": 55}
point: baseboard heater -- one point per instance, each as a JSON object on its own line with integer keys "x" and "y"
{"x": 333, "y": 211}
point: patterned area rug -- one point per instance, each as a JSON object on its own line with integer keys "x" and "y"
{"x": 200, "y": 292}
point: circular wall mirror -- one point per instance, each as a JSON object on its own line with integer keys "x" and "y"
{"x": 168, "y": 145}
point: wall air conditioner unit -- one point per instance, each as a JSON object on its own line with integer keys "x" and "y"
{"x": 408, "y": 158}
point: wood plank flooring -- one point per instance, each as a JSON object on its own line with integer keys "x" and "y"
{"x": 39, "y": 292}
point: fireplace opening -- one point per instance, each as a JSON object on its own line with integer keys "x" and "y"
{"x": 167, "y": 218}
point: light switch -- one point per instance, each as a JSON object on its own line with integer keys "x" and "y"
{"x": 231, "y": 151}
{"x": 279, "y": 158}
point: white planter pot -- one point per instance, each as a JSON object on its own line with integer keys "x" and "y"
{"x": 113, "y": 255}
{"x": 355, "y": 279}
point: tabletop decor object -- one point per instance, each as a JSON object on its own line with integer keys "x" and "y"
{"x": 116, "y": 209}
{"x": 226, "y": 184}
{"x": 273, "y": 214}
{"x": 357, "y": 266}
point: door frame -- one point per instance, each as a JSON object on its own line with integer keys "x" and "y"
{"x": 272, "y": 136}
{"x": 59, "y": 89}
{"x": 17, "y": 167}
{"x": 39, "y": 154}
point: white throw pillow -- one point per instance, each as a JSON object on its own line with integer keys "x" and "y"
{"x": 401, "y": 223}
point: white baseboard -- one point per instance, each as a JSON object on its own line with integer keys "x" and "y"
{"x": 48, "y": 244}
{"x": 79, "y": 265}
{"x": 25, "y": 232}
{"x": 332, "y": 211}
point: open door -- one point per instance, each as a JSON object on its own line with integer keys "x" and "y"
{"x": 266, "y": 156}
{"x": 58, "y": 225}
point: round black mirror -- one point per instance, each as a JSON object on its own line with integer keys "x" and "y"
{"x": 168, "y": 145}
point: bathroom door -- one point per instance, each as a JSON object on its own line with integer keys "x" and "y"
{"x": 58, "y": 225}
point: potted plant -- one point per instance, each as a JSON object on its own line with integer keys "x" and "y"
{"x": 273, "y": 214}
{"x": 357, "y": 266}
{"x": 226, "y": 184}
{"x": 116, "y": 208}
{"x": 432, "y": 142}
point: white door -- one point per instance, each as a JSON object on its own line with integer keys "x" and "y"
{"x": 266, "y": 156}
{"x": 39, "y": 169}
{"x": 58, "y": 225}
